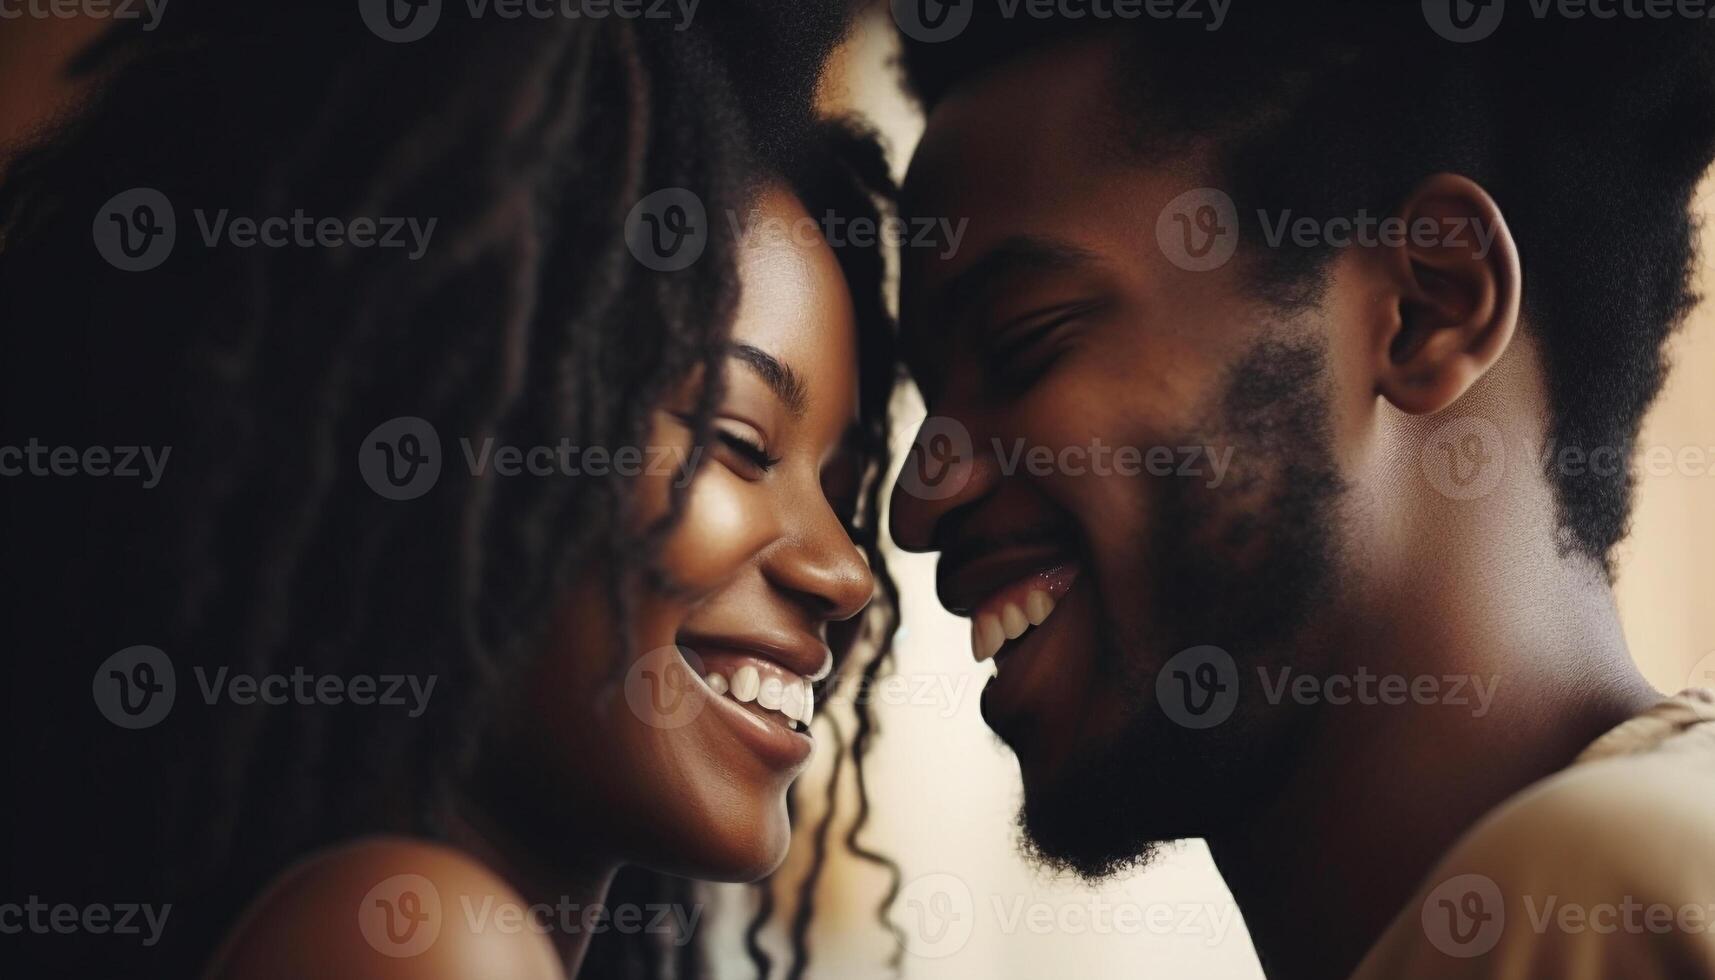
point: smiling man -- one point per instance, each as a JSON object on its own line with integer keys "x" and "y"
{"x": 1397, "y": 282}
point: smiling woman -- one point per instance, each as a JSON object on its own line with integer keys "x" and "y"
{"x": 551, "y": 624}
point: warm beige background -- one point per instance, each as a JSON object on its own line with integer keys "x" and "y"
{"x": 945, "y": 790}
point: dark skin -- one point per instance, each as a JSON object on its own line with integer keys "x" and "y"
{"x": 1061, "y": 321}
{"x": 586, "y": 772}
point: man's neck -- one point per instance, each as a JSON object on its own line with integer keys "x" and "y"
{"x": 1383, "y": 790}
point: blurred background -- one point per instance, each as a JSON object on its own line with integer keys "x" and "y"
{"x": 944, "y": 791}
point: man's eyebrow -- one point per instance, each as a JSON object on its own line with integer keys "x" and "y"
{"x": 786, "y": 383}
{"x": 1015, "y": 256}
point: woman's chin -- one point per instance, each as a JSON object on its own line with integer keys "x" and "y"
{"x": 743, "y": 847}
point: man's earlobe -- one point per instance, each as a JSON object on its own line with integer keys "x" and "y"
{"x": 1457, "y": 283}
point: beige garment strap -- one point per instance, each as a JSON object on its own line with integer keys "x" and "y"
{"x": 1684, "y": 710}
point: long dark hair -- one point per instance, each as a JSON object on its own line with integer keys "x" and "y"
{"x": 261, "y": 549}
{"x": 840, "y": 173}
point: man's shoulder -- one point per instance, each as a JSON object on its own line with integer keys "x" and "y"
{"x": 1657, "y": 802}
{"x": 1608, "y": 864}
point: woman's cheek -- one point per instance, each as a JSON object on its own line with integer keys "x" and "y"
{"x": 726, "y": 521}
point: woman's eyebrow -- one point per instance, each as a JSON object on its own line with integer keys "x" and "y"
{"x": 786, "y": 383}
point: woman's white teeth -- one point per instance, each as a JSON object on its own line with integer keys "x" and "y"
{"x": 991, "y": 631}
{"x": 1037, "y": 605}
{"x": 796, "y": 699}
{"x": 746, "y": 684}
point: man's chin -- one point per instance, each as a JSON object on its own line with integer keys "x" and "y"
{"x": 1108, "y": 809}
{"x": 1094, "y": 817}
{"x": 1061, "y": 831}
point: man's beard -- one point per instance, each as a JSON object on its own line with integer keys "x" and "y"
{"x": 1242, "y": 567}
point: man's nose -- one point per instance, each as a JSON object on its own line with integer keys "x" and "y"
{"x": 942, "y": 472}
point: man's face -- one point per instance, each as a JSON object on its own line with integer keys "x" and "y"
{"x": 1150, "y": 449}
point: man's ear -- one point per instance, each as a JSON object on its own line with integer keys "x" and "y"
{"x": 1455, "y": 290}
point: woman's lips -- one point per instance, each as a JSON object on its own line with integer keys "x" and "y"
{"x": 1019, "y": 607}
{"x": 765, "y": 732}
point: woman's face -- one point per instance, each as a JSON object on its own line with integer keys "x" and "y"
{"x": 682, "y": 762}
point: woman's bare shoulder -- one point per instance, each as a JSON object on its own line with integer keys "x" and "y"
{"x": 386, "y": 907}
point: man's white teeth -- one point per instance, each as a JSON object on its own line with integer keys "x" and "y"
{"x": 1012, "y": 620}
{"x": 1037, "y": 605}
{"x": 987, "y": 636}
{"x": 796, "y": 700}
{"x": 990, "y": 632}
{"x": 746, "y": 684}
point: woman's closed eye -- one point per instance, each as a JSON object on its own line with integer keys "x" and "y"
{"x": 746, "y": 454}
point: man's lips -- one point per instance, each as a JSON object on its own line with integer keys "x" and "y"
{"x": 968, "y": 576}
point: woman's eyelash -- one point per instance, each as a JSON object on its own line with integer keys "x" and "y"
{"x": 751, "y": 451}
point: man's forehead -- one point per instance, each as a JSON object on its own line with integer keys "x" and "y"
{"x": 1034, "y": 121}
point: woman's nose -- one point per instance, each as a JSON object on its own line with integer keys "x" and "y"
{"x": 823, "y": 565}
